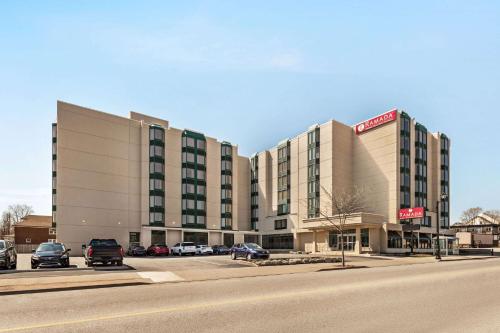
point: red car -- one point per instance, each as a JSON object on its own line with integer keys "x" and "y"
{"x": 158, "y": 250}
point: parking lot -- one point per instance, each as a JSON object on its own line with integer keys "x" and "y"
{"x": 146, "y": 263}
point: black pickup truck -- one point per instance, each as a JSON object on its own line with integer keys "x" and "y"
{"x": 104, "y": 251}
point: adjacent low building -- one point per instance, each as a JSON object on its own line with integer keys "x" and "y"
{"x": 481, "y": 231}
{"x": 138, "y": 179}
{"x": 33, "y": 230}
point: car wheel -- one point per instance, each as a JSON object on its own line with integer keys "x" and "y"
{"x": 7, "y": 263}
{"x": 34, "y": 266}
{"x": 233, "y": 256}
{"x": 119, "y": 263}
{"x": 249, "y": 256}
{"x": 89, "y": 263}
{"x": 14, "y": 264}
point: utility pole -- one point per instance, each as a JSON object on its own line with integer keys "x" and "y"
{"x": 443, "y": 196}
{"x": 438, "y": 253}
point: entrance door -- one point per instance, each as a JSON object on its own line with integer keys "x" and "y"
{"x": 349, "y": 242}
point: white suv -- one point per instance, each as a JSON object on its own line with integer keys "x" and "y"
{"x": 204, "y": 249}
{"x": 184, "y": 248}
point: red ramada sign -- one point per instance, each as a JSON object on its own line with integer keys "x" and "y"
{"x": 411, "y": 213}
{"x": 377, "y": 121}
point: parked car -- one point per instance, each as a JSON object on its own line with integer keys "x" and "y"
{"x": 158, "y": 250}
{"x": 104, "y": 251}
{"x": 8, "y": 254}
{"x": 248, "y": 251}
{"x": 184, "y": 248}
{"x": 136, "y": 250}
{"x": 220, "y": 249}
{"x": 204, "y": 249}
{"x": 50, "y": 255}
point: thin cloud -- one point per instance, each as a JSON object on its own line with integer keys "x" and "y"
{"x": 194, "y": 43}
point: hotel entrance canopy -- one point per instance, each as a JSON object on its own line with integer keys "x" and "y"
{"x": 357, "y": 220}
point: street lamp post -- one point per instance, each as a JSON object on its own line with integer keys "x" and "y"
{"x": 442, "y": 197}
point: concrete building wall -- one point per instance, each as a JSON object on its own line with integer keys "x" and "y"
{"x": 103, "y": 176}
{"x": 97, "y": 176}
{"x": 375, "y": 171}
{"x": 213, "y": 176}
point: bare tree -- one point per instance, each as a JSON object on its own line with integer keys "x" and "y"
{"x": 340, "y": 205}
{"x": 469, "y": 215}
{"x": 19, "y": 211}
{"x": 6, "y": 223}
{"x": 13, "y": 215}
{"x": 494, "y": 213}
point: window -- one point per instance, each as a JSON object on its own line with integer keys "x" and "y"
{"x": 254, "y": 195}
{"x": 188, "y": 188}
{"x": 226, "y": 208}
{"x": 226, "y": 194}
{"x": 280, "y": 224}
{"x": 282, "y": 241}
{"x": 134, "y": 237}
{"x": 158, "y": 237}
{"x": 365, "y": 237}
{"x": 405, "y": 161}
{"x": 155, "y": 218}
{"x": 226, "y": 223}
{"x": 200, "y": 144}
{"x": 187, "y": 157}
{"x": 155, "y": 201}
{"x": 156, "y": 151}
{"x": 200, "y": 189}
{"x": 226, "y": 179}
{"x": 156, "y": 184}
{"x": 155, "y": 167}
{"x": 200, "y": 205}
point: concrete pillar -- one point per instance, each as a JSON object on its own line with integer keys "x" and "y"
{"x": 327, "y": 242}
{"x": 296, "y": 238}
{"x": 357, "y": 247}
{"x": 145, "y": 237}
{"x": 314, "y": 242}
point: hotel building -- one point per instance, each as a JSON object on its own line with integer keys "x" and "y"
{"x": 138, "y": 180}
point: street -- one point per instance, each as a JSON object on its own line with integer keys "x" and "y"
{"x": 442, "y": 297}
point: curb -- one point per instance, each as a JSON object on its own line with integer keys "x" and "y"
{"x": 46, "y": 290}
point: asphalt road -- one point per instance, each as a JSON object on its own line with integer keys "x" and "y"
{"x": 459, "y": 296}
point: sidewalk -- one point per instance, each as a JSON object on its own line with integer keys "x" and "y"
{"x": 54, "y": 283}
{"x": 127, "y": 278}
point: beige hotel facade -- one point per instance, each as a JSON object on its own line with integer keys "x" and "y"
{"x": 139, "y": 180}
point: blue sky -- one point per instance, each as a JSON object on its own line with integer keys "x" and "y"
{"x": 211, "y": 65}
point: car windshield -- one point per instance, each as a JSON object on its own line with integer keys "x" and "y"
{"x": 253, "y": 246}
{"x": 50, "y": 247}
{"x": 223, "y": 247}
{"x": 139, "y": 247}
{"x": 188, "y": 244}
{"x": 103, "y": 242}
{"x": 2, "y": 245}
{"x": 160, "y": 245}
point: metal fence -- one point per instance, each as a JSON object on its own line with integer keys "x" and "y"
{"x": 26, "y": 248}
